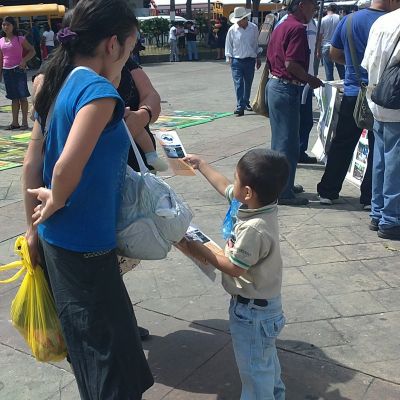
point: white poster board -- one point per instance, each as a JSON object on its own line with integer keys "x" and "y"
{"x": 359, "y": 162}
{"x": 328, "y": 98}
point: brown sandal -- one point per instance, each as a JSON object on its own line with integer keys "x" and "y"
{"x": 12, "y": 127}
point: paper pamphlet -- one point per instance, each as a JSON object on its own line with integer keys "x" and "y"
{"x": 359, "y": 162}
{"x": 194, "y": 233}
{"x": 174, "y": 150}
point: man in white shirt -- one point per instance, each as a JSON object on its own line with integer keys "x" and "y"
{"x": 173, "y": 43}
{"x": 48, "y": 38}
{"x": 328, "y": 26}
{"x": 241, "y": 52}
{"x": 383, "y": 51}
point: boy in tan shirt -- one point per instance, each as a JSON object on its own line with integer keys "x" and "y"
{"x": 252, "y": 267}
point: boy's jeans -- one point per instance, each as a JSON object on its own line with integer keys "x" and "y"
{"x": 254, "y": 330}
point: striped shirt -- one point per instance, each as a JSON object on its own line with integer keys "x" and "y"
{"x": 242, "y": 43}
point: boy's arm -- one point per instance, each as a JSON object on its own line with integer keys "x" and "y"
{"x": 217, "y": 180}
{"x": 219, "y": 261}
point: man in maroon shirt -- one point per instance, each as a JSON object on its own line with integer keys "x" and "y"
{"x": 288, "y": 57}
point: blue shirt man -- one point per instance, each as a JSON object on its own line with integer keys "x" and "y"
{"x": 361, "y": 25}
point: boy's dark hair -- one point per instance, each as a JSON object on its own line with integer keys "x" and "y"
{"x": 266, "y": 172}
{"x": 333, "y": 7}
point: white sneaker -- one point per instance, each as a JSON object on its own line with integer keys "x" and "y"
{"x": 327, "y": 202}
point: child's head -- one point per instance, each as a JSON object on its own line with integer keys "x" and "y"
{"x": 264, "y": 173}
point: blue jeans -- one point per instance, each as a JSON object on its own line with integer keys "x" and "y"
{"x": 328, "y": 65}
{"x": 284, "y": 115}
{"x": 254, "y": 330}
{"x": 173, "y": 50}
{"x": 243, "y": 74}
{"x": 192, "y": 53}
{"x": 385, "y": 202}
{"x": 306, "y": 122}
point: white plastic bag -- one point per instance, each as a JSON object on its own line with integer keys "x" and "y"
{"x": 152, "y": 217}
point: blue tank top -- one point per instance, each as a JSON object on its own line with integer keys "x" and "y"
{"x": 87, "y": 223}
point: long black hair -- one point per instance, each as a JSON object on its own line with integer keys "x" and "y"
{"x": 11, "y": 20}
{"x": 93, "y": 21}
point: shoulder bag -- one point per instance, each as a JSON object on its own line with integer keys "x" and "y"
{"x": 152, "y": 217}
{"x": 387, "y": 92}
{"x": 362, "y": 113}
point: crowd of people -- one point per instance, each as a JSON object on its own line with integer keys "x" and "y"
{"x": 75, "y": 166}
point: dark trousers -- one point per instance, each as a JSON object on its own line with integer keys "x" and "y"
{"x": 341, "y": 153}
{"x": 98, "y": 324}
{"x": 306, "y": 122}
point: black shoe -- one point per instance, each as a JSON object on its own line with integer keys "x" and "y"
{"x": 239, "y": 113}
{"x": 306, "y": 159}
{"x": 143, "y": 333}
{"x": 297, "y": 189}
{"x": 374, "y": 225}
{"x": 389, "y": 233}
{"x": 295, "y": 201}
{"x": 249, "y": 108}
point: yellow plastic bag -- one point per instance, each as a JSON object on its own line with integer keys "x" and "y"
{"x": 33, "y": 312}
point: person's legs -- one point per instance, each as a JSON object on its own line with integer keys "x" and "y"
{"x": 341, "y": 151}
{"x": 366, "y": 185}
{"x": 24, "y": 108}
{"x": 328, "y": 64}
{"x": 238, "y": 82}
{"x": 254, "y": 330}
{"x": 98, "y": 323}
{"x": 190, "y": 50}
{"x": 284, "y": 130}
{"x": 341, "y": 70}
{"x": 248, "y": 76}
{"x": 306, "y": 124}
{"x": 391, "y": 186}
{"x": 195, "y": 50}
{"x": 378, "y": 171}
{"x": 15, "y": 105}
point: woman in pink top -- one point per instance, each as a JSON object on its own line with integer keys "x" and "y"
{"x": 15, "y": 51}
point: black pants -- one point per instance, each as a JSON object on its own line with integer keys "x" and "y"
{"x": 341, "y": 153}
{"x": 98, "y": 324}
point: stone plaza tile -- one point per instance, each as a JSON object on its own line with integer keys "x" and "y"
{"x": 382, "y": 390}
{"x": 363, "y": 333}
{"x": 22, "y": 377}
{"x": 347, "y": 235}
{"x": 305, "y": 335}
{"x": 290, "y": 256}
{"x": 338, "y": 218}
{"x": 293, "y": 276}
{"x": 386, "y": 268}
{"x": 342, "y": 277}
{"x": 365, "y": 251}
{"x": 317, "y": 254}
{"x": 303, "y": 303}
{"x": 309, "y": 236}
{"x": 389, "y": 298}
{"x": 356, "y": 303}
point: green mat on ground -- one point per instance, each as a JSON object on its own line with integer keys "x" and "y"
{"x": 183, "y": 119}
{"x": 12, "y": 148}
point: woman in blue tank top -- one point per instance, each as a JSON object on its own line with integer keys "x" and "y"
{"x": 73, "y": 175}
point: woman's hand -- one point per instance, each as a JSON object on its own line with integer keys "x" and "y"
{"x": 47, "y": 207}
{"x": 194, "y": 161}
{"x": 22, "y": 64}
{"x": 136, "y": 120}
{"x": 31, "y": 236}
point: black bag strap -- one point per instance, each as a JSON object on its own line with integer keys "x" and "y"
{"x": 354, "y": 58}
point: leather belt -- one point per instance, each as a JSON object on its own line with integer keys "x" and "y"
{"x": 257, "y": 302}
{"x": 287, "y": 81}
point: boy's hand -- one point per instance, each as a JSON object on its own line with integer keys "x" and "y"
{"x": 194, "y": 161}
{"x": 190, "y": 248}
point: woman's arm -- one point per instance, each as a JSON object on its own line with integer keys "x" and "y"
{"x": 88, "y": 125}
{"x": 148, "y": 95}
{"x": 30, "y": 52}
{"x": 32, "y": 176}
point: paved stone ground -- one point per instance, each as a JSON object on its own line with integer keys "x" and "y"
{"x": 341, "y": 282}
